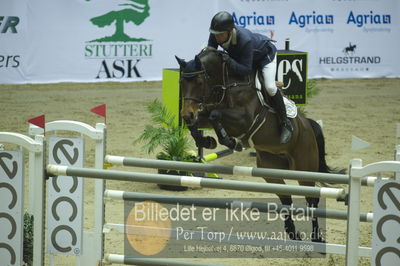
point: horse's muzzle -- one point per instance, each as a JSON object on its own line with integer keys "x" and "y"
{"x": 189, "y": 118}
{"x": 189, "y": 112}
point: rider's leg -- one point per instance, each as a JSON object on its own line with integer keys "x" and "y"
{"x": 269, "y": 72}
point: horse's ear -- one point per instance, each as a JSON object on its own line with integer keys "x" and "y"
{"x": 182, "y": 63}
{"x": 197, "y": 62}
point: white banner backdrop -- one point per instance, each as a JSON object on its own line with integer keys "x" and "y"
{"x": 45, "y": 41}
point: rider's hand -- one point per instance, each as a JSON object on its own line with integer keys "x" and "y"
{"x": 226, "y": 58}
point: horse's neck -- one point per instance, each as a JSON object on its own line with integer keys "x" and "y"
{"x": 244, "y": 89}
{"x": 243, "y": 80}
{"x": 245, "y": 96}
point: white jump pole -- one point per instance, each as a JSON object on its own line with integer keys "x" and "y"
{"x": 236, "y": 170}
{"x": 190, "y": 181}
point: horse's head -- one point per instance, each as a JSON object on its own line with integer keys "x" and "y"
{"x": 199, "y": 80}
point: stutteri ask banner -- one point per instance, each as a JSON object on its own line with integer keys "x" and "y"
{"x": 44, "y": 41}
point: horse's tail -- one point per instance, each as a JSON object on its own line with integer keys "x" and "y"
{"x": 319, "y": 136}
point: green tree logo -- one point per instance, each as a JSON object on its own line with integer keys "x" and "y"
{"x": 137, "y": 12}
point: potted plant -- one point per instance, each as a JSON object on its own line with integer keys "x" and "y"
{"x": 28, "y": 239}
{"x": 173, "y": 139}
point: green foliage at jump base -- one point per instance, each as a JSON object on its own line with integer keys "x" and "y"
{"x": 164, "y": 133}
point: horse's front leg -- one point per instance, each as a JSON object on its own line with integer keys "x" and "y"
{"x": 201, "y": 141}
{"x": 215, "y": 119}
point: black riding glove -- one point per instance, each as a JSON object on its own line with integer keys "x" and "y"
{"x": 226, "y": 58}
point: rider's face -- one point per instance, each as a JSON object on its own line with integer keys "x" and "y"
{"x": 222, "y": 37}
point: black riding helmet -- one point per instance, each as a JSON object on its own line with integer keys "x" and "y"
{"x": 221, "y": 22}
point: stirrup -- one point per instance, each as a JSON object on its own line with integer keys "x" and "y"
{"x": 286, "y": 132}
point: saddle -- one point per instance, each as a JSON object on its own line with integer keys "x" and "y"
{"x": 258, "y": 79}
{"x": 267, "y": 106}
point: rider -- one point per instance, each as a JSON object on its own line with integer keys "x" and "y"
{"x": 247, "y": 49}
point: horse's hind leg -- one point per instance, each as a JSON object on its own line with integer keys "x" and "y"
{"x": 269, "y": 160}
{"x": 310, "y": 161}
{"x": 316, "y": 235}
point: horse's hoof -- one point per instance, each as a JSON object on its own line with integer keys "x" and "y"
{"x": 207, "y": 143}
{"x": 210, "y": 143}
{"x": 238, "y": 146}
{"x": 318, "y": 240}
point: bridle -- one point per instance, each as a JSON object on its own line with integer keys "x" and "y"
{"x": 203, "y": 105}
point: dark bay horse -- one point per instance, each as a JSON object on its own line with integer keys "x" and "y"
{"x": 215, "y": 98}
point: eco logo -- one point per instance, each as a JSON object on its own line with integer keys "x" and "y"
{"x": 121, "y": 53}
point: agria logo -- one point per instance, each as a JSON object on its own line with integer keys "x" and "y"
{"x": 120, "y": 53}
{"x": 368, "y": 19}
{"x": 314, "y": 18}
{"x": 253, "y": 19}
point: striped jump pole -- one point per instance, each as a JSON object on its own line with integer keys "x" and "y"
{"x": 219, "y": 154}
{"x": 236, "y": 170}
{"x": 227, "y": 203}
{"x": 191, "y": 181}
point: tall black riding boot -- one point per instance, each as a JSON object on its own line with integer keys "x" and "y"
{"x": 286, "y": 125}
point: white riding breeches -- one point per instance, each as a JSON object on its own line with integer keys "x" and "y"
{"x": 269, "y": 73}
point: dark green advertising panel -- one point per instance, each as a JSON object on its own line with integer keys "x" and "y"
{"x": 292, "y": 71}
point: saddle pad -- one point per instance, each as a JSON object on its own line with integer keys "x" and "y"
{"x": 291, "y": 108}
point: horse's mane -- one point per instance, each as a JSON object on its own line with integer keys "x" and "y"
{"x": 192, "y": 66}
{"x": 212, "y": 58}
{"x": 209, "y": 50}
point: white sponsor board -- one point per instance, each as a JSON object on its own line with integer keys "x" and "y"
{"x": 385, "y": 227}
{"x": 65, "y": 198}
{"x": 132, "y": 40}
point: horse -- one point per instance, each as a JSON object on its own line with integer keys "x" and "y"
{"x": 214, "y": 97}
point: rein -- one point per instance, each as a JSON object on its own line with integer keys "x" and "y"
{"x": 202, "y": 102}
{"x": 203, "y": 105}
